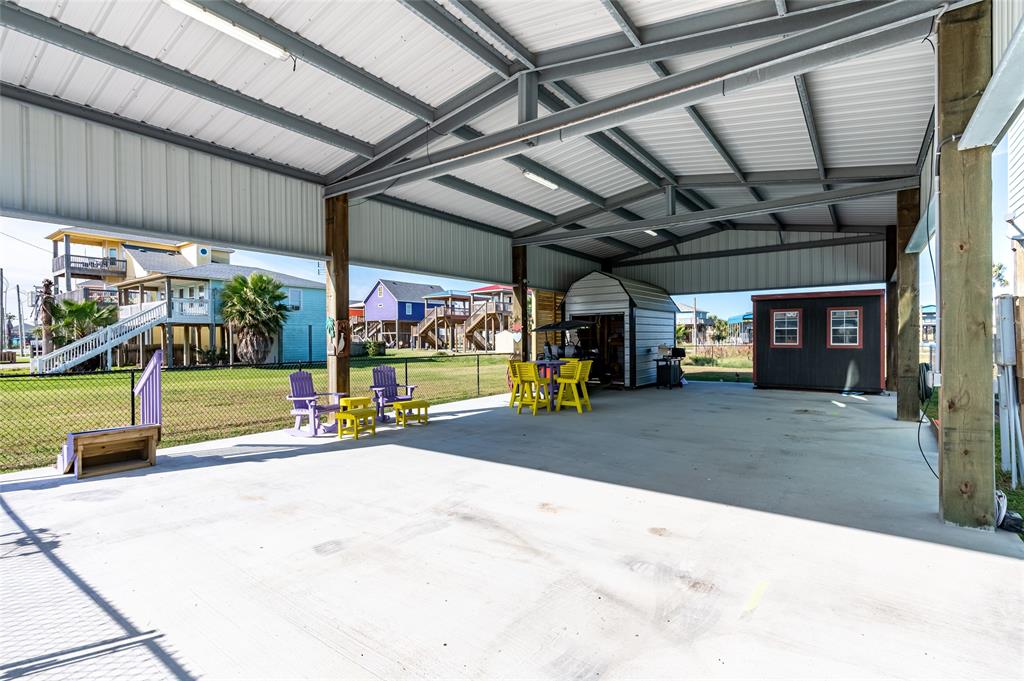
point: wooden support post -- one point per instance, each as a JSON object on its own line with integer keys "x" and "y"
{"x": 966, "y": 447}
{"x": 67, "y": 263}
{"x": 168, "y": 328}
{"x": 339, "y": 336}
{"x": 520, "y": 310}
{"x": 891, "y": 308}
{"x": 907, "y": 336}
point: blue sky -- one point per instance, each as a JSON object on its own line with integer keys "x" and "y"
{"x": 25, "y": 258}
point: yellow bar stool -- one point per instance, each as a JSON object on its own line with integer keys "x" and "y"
{"x": 532, "y": 393}
{"x": 584, "y": 376}
{"x": 568, "y": 382}
{"x": 517, "y": 385}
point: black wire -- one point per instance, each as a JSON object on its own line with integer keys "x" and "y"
{"x": 920, "y": 448}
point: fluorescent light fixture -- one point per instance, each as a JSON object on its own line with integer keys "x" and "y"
{"x": 226, "y": 27}
{"x": 651, "y": 232}
{"x": 539, "y": 180}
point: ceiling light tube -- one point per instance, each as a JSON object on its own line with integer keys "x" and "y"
{"x": 539, "y": 180}
{"x": 651, "y": 232}
{"x": 226, "y": 27}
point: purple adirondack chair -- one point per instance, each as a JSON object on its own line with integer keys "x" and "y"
{"x": 385, "y": 389}
{"x": 306, "y": 403}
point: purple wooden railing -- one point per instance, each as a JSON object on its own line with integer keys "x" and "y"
{"x": 148, "y": 391}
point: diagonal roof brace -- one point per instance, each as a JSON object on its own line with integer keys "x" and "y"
{"x": 729, "y": 212}
{"x": 756, "y": 250}
{"x": 865, "y": 33}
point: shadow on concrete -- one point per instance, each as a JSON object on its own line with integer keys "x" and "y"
{"x": 825, "y": 457}
{"x": 95, "y": 653}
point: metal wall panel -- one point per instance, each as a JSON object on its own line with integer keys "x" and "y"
{"x": 1015, "y": 171}
{"x": 551, "y": 270}
{"x": 598, "y": 294}
{"x": 1006, "y": 15}
{"x": 381, "y": 235}
{"x": 831, "y": 266}
{"x": 66, "y": 170}
{"x": 652, "y": 329}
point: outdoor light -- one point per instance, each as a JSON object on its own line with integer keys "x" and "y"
{"x": 651, "y": 232}
{"x": 539, "y": 180}
{"x": 226, "y": 27}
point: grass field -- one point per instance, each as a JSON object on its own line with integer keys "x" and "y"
{"x": 36, "y": 413}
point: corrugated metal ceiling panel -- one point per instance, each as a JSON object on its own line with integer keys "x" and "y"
{"x": 55, "y": 71}
{"x": 384, "y": 38}
{"x": 450, "y": 201}
{"x": 582, "y": 162}
{"x": 644, "y": 12}
{"x": 543, "y": 25}
{"x": 155, "y": 30}
{"x": 815, "y": 215}
{"x": 506, "y": 179}
{"x": 874, "y": 110}
{"x": 675, "y": 141}
{"x": 762, "y": 127}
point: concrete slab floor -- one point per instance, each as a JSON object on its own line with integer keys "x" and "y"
{"x": 710, "y": 532}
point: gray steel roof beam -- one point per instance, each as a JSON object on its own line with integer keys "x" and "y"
{"x": 53, "y": 32}
{"x": 803, "y": 176}
{"x": 582, "y": 213}
{"x": 458, "y": 32}
{"x": 496, "y": 31}
{"x": 757, "y": 250}
{"x": 113, "y": 120}
{"x": 866, "y": 33}
{"x": 621, "y": 17}
{"x": 314, "y": 54}
{"x": 484, "y": 194}
{"x": 527, "y": 99}
{"x": 733, "y": 212}
{"x": 651, "y": 51}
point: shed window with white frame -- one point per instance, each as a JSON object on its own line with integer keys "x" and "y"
{"x": 786, "y": 328}
{"x": 844, "y": 327}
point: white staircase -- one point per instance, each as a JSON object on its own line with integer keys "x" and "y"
{"x": 60, "y": 360}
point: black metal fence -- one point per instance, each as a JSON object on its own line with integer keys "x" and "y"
{"x": 205, "y": 403}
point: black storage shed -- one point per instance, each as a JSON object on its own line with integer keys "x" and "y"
{"x": 833, "y": 340}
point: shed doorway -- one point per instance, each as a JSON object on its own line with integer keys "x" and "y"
{"x": 605, "y": 343}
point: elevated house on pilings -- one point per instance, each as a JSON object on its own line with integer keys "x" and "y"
{"x": 441, "y": 326}
{"x": 392, "y": 310}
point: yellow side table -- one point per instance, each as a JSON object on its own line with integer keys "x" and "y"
{"x": 355, "y": 421}
{"x": 406, "y": 410}
{"x": 354, "y": 402}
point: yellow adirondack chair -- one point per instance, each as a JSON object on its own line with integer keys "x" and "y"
{"x": 532, "y": 393}
{"x": 517, "y": 385}
{"x": 569, "y": 382}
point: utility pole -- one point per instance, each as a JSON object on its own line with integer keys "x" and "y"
{"x": 21, "y": 323}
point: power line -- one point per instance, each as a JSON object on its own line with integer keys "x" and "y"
{"x": 27, "y": 243}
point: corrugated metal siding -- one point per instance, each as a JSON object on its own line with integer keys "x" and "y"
{"x": 1006, "y": 15}
{"x": 652, "y": 328}
{"x": 1015, "y": 170}
{"x": 874, "y": 110}
{"x": 838, "y": 265}
{"x": 551, "y": 270}
{"x": 69, "y": 170}
{"x": 598, "y": 294}
{"x": 385, "y": 236}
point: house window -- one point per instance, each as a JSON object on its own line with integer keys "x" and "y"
{"x": 408, "y": 308}
{"x": 295, "y": 298}
{"x": 191, "y": 291}
{"x": 844, "y": 327}
{"x": 181, "y": 293}
{"x": 380, "y": 291}
{"x": 202, "y": 292}
{"x": 786, "y": 329}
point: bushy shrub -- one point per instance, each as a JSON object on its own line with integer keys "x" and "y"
{"x": 375, "y": 348}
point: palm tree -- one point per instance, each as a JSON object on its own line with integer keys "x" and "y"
{"x": 255, "y": 311}
{"x": 73, "y": 320}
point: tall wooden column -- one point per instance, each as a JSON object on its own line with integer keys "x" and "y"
{"x": 520, "y": 309}
{"x": 966, "y": 454}
{"x": 891, "y": 308}
{"x": 907, "y": 338}
{"x": 339, "y": 336}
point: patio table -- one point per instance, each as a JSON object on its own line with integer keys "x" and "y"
{"x": 551, "y": 366}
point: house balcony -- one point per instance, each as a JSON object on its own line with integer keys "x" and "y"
{"x": 183, "y": 310}
{"x": 102, "y": 297}
{"x": 89, "y": 267}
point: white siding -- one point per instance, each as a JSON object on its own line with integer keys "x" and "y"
{"x": 62, "y": 169}
{"x": 652, "y": 328}
{"x": 598, "y": 294}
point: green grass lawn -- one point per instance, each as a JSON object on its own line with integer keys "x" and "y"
{"x": 204, "y": 404}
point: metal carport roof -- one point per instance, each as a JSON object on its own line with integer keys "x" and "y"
{"x": 372, "y": 87}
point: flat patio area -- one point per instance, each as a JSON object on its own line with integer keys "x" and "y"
{"x": 711, "y": 532}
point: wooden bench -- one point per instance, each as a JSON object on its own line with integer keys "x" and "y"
{"x": 355, "y": 421}
{"x": 415, "y": 410}
{"x": 112, "y": 450}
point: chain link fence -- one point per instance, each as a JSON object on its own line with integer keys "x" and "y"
{"x": 206, "y": 403}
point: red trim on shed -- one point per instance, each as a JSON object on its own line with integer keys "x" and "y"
{"x": 821, "y": 294}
